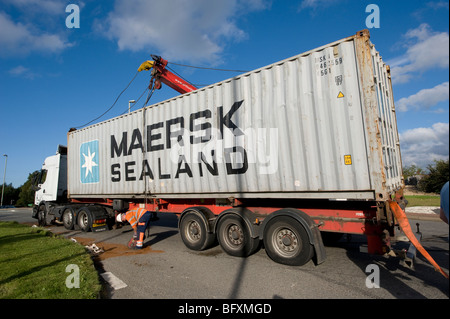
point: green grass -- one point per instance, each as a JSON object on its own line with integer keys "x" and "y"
{"x": 33, "y": 265}
{"x": 423, "y": 200}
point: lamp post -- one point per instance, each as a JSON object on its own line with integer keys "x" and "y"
{"x": 129, "y": 104}
{"x": 4, "y": 175}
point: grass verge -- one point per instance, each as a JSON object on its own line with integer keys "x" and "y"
{"x": 423, "y": 200}
{"x": 35, "y": 263}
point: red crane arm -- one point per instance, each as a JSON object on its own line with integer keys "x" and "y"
{"x": 161, "y": 74}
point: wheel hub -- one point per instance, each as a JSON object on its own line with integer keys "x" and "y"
{"x": 235, "y": 235}
{"x": 84, "y": 220}
{"x": 67, "y": 218}
{"x": 194, "y": 231}
{"x": 287, "y": 241}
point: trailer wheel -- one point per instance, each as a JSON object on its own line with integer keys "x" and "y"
{"x": 68, "y": 219}
{"x": 84, "y": 219}
{"x": 234, "y": 236}
{"x": 287, "y": 242}
{"x": 193, "y": 232}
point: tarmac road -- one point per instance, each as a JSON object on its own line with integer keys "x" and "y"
{"x": 167, "y": 269}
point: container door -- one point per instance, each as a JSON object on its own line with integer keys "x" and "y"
{"x": 379, "y": 117}
{"x": 390, "y": 144}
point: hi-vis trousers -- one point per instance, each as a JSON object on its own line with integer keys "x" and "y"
{"x": 141, "y": 227}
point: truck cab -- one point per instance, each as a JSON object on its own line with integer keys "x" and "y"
{"x": 50, "y": 185}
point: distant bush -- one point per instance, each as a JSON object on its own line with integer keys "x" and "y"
{"x": 436, "y": 178}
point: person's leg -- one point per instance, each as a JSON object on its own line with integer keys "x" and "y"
{"x": 142, "y": 226}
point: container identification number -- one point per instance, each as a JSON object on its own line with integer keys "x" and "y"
{"x": 325, "y": 64}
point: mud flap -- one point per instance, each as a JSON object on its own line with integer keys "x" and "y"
{"x": 406, "y": 227}
{"x": 319, "y": 248}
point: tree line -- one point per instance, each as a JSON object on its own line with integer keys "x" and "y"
{"x": 21, "y": 196}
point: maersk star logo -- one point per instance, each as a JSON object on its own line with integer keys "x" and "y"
{"x": 89, "y": 172}
{"x": 89, "y": 162}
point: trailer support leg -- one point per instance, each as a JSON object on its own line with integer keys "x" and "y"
{"x": 378, "y": 240}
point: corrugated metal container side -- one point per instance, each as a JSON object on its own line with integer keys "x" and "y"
{"x": 318, "y": 125}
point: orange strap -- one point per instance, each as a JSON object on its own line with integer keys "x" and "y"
{"x": 406, "y": 227}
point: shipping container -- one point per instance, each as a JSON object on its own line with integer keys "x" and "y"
{"x": 321, "y": 124}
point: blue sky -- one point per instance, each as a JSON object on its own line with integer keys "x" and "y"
{"x": 53, "y": 78}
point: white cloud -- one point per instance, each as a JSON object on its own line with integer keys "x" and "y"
{"x": 21, "y": 71}
{"x": 179, "y": 30}
{"x": 424, "y": 99}
{"x": 21, "y": 39}
{"x": 421, "y": 146}
{"x": 426, "y": 50}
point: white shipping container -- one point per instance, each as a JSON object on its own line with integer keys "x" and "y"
{"x": 321, "y": 124}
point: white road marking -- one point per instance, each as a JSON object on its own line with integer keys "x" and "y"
{"x": 433, "y": 210}
{"x": 115, "y": 282}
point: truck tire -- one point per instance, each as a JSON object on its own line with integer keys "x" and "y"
{"x": 42, "y": 216}
{"x": 84, "y": 219}
{"x": 286, "y": 241}
{"x": 194, "y": 233}
{"x": 68, "y": 218}
{"x": 234, "y": 237}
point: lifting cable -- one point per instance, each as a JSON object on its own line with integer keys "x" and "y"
{"x": 197, "y": 67}
{"x": 135, "y": 103}
{"x": 202, "y": 68}
{"x": 172, "y": 70}
{"x": 112, "y": 104}
{"x": 149, "y": 95}
{"x": 205, "y": 68}
{"x": 151, "y": 91}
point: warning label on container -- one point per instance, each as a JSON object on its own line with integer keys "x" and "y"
{"x": 347, "y": 159}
